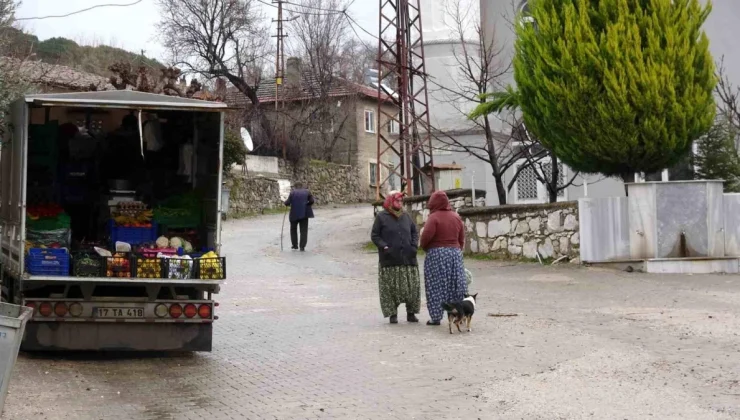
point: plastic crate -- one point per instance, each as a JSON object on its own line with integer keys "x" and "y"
{"x": 118, "y": 266}
{"x": 152, "y": 253}
{"x": 132, "y": 235}
{"x": 148, "y": 267}
{"x": 179, "y": 269}
{"x": 211, "y": 268}
{"x": 87, "y": 264}
{"x": 47, "y": 262}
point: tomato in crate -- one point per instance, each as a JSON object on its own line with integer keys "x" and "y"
{"x": 119, "y": 266}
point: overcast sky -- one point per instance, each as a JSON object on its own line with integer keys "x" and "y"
{"x": 133, "y": 28}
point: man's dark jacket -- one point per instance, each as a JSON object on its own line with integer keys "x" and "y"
{"x": 300, "y": 202}
{"x": 399, "y": 235}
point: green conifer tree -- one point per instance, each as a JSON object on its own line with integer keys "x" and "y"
{"x": 613, "y": 86}
{"x": 717, "y": 155}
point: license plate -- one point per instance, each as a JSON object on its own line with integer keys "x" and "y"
{"x": 119, "y": 312}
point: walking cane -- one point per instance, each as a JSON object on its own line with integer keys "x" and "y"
{"x": 282, "y": 229}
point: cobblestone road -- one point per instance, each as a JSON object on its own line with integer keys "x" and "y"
{"x": 300, "y": 336}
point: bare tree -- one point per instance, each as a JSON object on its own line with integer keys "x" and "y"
{"x": 12, "y": 83}
{"x": 729, "y": 96}
{"x": 480, "y": 70}
{"x": 219, "y": 38}
{"x": 541, "y": 163}
{"x": 168, "y": 82}
{"x": 320, "y": 34}
{"x": 479, "y": 66}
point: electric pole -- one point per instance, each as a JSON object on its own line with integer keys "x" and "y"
{"x": 402, "y": 87}
{"x": 280, "y": 71}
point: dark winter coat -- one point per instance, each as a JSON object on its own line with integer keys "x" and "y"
{"x": 300, "y": 202}
{"x": 399, "y": 235}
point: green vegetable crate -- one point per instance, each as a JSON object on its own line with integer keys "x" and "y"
{"x": 87, "y": 264}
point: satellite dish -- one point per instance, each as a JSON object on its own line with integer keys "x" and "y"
{"x": 247, "y": 139}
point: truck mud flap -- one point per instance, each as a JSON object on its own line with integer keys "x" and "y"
{"x": 96, "y": 336}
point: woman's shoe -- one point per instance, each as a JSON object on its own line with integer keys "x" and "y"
{"x": 394, "y": 319}
{"x": 411, "y": 318}
{"x": 432, "y": 322}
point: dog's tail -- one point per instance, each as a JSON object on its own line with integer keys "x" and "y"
{"x": 448, "y": 307}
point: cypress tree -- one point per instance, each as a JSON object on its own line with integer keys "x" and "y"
{"x": 615, "y": 86}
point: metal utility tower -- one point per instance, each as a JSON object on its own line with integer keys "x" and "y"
{"x": 402, "y": 77}
{"x": 280, "y": 69}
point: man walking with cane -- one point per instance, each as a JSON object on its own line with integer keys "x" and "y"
{"x": 300, "y": 202}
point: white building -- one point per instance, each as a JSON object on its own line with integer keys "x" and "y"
{"x": 495, "y": 17}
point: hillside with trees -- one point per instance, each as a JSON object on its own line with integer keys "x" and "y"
{"x": 63, "y": 51}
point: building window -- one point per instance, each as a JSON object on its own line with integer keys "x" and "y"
{"x": 369, "y": 121}
{"x": 526, "y": 185}
{"x": 529, "y": 189}
{"x": 561, "y": 176}
{"x": 373, "y": 168}
{"x": 393, "y": 127}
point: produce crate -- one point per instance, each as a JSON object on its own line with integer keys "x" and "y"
{"x": 148, "y": 267}
{"x": 188, "y": 221}
{"x": 179, "y": 269}
{"x": 118, "y": 266}
{"x": 47, "y": 262}
{"x": 132, "y": 235}
{"x": 152, "y": 253}
{"x": 211, "y": 268}
{"x": 87, "y": 264}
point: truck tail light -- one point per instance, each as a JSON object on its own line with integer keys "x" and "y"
{"x": 45, "y": 309}
{"x": 204, "y": 311}
{"x": 31, "y": 305}
{"x": 75, "y": 309}
{"x": 60, "y": 309}
{"x": 190, "y": 310}
{"x": 161, "y": 310}
{"x": 175, "y": 310}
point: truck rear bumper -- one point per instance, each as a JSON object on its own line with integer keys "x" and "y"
{"x": 96, "y": 336}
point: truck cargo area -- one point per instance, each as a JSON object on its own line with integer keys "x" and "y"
{"x": 111, "y": 219}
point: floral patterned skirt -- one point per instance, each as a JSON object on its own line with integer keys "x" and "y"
{"x": 444, "y": 278}
{"x": 399, "y": 285}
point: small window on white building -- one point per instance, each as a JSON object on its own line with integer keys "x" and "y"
{"x": 369, "y": 121}
{"x": 373, "y": 172}
{"x": 526, "y": 185}
{"x": 529, "y": 189}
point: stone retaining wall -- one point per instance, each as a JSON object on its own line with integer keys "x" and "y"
{"x": 252, "y": 195}
{"x": 329, "y": 183}
{"x": 523, "y": 231}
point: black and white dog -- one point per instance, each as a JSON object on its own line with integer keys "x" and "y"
{"x": 462, "y": 311}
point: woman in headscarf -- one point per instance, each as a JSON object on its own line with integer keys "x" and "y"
{"x": 395, "y": 235}
{"x": 443, "y": 238}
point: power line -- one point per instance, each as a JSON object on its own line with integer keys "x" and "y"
{"x": 334, "y": 12}
{"x": 359, "y": 38}
{"x": 314, "y": 7}
{"x": 358, "y": 25}
{"x": 81, "y": 11}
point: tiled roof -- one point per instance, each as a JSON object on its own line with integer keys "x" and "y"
{"x": 40, "y": 73}
{"x": 309, "y": 88}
